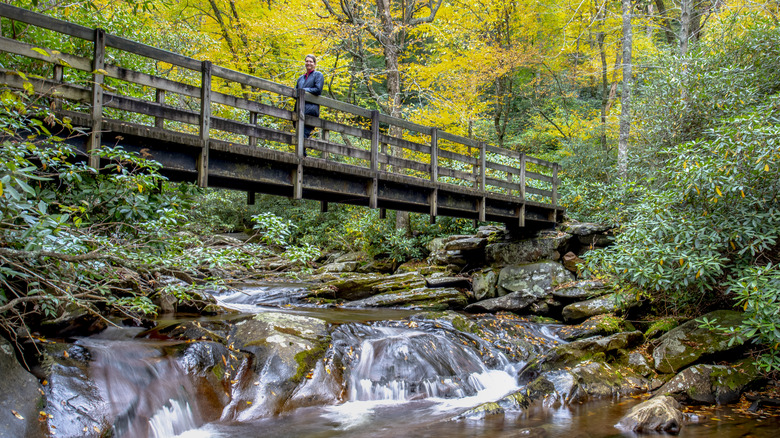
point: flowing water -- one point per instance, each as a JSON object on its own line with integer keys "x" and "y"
{"x": 398, "y": 377}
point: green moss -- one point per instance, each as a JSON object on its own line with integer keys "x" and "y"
{"x": 306, "y": 359}
{"x": 660, "y": 327}
{"x": 218, "y": 371}
{"x": 735, "y": 376}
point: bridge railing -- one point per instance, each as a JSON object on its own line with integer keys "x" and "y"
{"x": 113, "y": 80}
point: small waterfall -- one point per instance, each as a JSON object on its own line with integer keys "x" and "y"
{"x": 146, "y": 391}
{"x": 393, "y": 362}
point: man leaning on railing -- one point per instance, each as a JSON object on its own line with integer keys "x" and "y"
{"x": 312, "y": 82}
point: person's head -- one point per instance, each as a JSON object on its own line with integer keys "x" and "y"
{"x": 311, "y": 63}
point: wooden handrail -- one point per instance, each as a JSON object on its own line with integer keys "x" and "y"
{"x": 440, "y": 157}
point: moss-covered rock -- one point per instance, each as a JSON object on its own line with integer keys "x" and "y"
{"x": 580, "y": 290}
{"x": 419, "y": 298}
{"x": 659, "y": 327}
{"x": 612, "y": 303}
{"x": 719, "y": 384}
{"x": 285, "y": 348}
{"x": 689, "y": 342}
{"x": 526, "y": 251}
{"x": 598, "y": 325}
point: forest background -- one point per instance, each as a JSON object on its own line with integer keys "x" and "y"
{"x": 663, "y": 114}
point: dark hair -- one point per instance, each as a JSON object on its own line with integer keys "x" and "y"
{"x": 313, "y": 58}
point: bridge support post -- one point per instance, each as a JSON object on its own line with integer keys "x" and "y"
{"x": 300, "y": 149}
{"x": 373, "y": 189}
{"x": 58, "y": 75}
{"x": 252, "y": 121}
{"x": 159, "y": 122}
{"x": 250, "y": 198}
{"x": 98, "y": 65}
{"x": 205, "y": 124}
{"x": 434, "y": 196}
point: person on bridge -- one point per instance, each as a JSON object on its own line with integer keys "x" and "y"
{"x": 312, "y": 82}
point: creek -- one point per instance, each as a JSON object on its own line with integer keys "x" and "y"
{"x": 385, "y": 373}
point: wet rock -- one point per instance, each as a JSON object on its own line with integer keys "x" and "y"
{"x": 419, "y": 298}
{"x": 385, "y": 266}
{"x": 598, "y": 325}
{"x": 534, "y": 279}
{"x": 339, "y": 267}
{"x": 465, "y": 244}
{"x": 612, "y": 303}
{"x": 719, "y": 384}
{"x": 481, "y": 412}
{"x": 284, "y": 349}
{"x": 399, "y": 282}
{"x": 484, "y": 284}
{"x": 491, "y": 232}
{"x": 569, "y": 355}
{"x": 442, "y": 281}
{"x": 638, "y": 362}
{"x": 585, "y": 381}
{"x": 526, "y": 251}
{"x": 687, "y": 343}
{"x": 354, "y": 287}
{"x": 580, "y": 290}
{"x": 216, "y": 331}
{"x": 20, "y": 397}
{"x": 74, "y": 321}
{"x": 659, "y": 414}
{"x": 513, "y": 302}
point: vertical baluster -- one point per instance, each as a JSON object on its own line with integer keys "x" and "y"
{"x": 205, "y": 124}
{"x": 98, "y": 65}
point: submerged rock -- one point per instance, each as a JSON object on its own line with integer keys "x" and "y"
{"x": 687, "y": 343}
{"x": 659, "y": 414}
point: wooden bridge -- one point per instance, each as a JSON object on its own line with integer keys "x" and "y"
{"x": 223, "y": 128}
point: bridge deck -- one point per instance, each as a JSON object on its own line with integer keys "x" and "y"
{"x": 221, "y": 128}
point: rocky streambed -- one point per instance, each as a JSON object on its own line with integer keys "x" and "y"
{"x": 489, "y": 337}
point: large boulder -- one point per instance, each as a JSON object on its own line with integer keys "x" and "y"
{"x": 526, "y": 251}
{"x": 285, "y": 348}
{"x": 533, "y": 279}
{"x": 418, "y": 298}
{"x": 689, "y": 342}
{"x": 483, "y": 284}
{"x": 585, "y": 381}
{"x": 355, "y": 287}
{"x": 719, "y": 384}
{"x": 457, "y": 250}
{"x": 604, "y": 348}
{"x": 659, "y": 414}
{"x": 612, "y": 303}
{"x": 20, "y": 397}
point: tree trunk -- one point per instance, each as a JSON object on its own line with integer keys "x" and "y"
{"x": 685, "y": 25}
{"x": 625, "y": 112}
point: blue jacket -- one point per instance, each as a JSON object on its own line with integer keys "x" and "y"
{"x": 313, "y": 84}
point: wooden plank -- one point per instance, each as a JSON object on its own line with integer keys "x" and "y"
{"x": 503, "y": 184}
{"x": 153, "y": 109}
{"x": 98, "y": 64}
{"x": 57, "y": 75}
{"x": 253, "y": 81}
{"x": 554, "y": 197}
{"x": 205, "y": 124}
{"x": 152, "y": 81}
{"x": 249, "y": 130}
{"x": 538, "y": 176}
{"x": 344, "y": 129}
{"x": 24, "y": 49}
{"x": 339, "y": 106}
{"x": 453, "y": 173}
{"x": 540, "y": 162}
{"x": 501, "y": 151}
{"x": 433, "y": 200}
{"x": 339, "y": 149}
{"x": 154, "y": 53}
{"x": 503, "y": 168}
{"x": 403, "y": 163}
{"x": 373, "y": 192}
{"x": 481, "y": 208}
{"x": 383, "y": 118}
{"x": 46, "y": 22}
{"x": 482, "y": 169}
{"x": 458, "y": 157}
{"x": 250, "y": 105}
{"x": 406, "y": 144}
{"x": 523, "y": 175}
{"x": 252, "y": 121}
{"x": 535, "y": 191}
{"x": 458, "y": 139}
